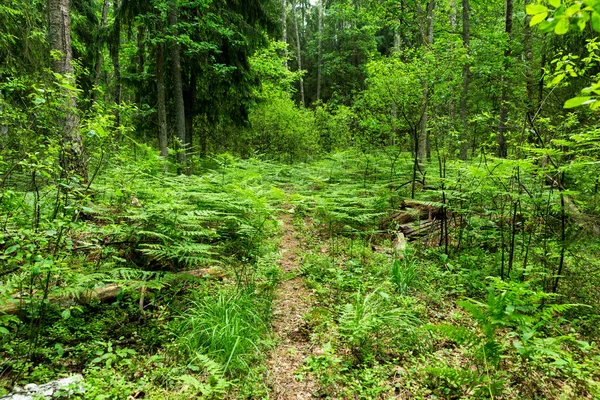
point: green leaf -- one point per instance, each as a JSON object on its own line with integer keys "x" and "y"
{"x": 3, "y": 330}
{"x": 547, "y": 26}
{"x": 577, "y": 101}
{"x": 582, "y": 22}
{"x": 536, "y": 19}
{"x": 554, "y": 3}
{"x": 562, "y": 27}
{"x": 596, "y": 21}
{"x": 594, "y": 4}
{"x": 11, "y": 249}
{"x": 66, "y": 314}
{"x": 558, "y": 79}
{"x": 533, "y": 9}
{"x": 574, "y": 9}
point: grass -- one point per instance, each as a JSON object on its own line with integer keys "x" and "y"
{"x": 229, "y": 327}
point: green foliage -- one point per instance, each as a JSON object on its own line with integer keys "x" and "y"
{"x": 368, "y": 319}
{"x": 280, "y": 128}
{"x": 403, "y": 274}
{"x": 226, "y": 326}
{"x": 216, "y": 384}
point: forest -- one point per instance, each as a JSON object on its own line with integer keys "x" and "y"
{"x": 297, "y": 199}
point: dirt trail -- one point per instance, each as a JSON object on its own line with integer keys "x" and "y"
{"x": 292, "y": 302}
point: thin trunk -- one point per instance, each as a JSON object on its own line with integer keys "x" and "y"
{"x": 540, "y": 98}
{"x": 563, "y": 239}
{"x": 204, "y": 137}
{"x": 116, "y": 66}
{"x": 284, "y": 29}
{"x": 502, "y": 150}
{"x": 529, "y": 80}
{"x": 299, "y": 53}
{"x": 141, "y": 62}
{"x": 161, "y": 106}
{"x": 513, "y": 235}
{"x": 59, "y": 33}
{"x": 466, "y": 75}
{"x": 99, "y": 59}
{"x": 320, "y": 45}
{"x": 3, "y": 129}
{"x": 427, "y": 33}
{"x": 453, "y": 19}
{"x": 190, "y": 110}
{"x": 422, "y": 139}
{"x": 177, "y": 87}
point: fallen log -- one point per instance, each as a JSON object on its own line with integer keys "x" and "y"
{"x": 104, "y": 294}
{"x": 411, "y": 211}
{"x": 415, "y": 231}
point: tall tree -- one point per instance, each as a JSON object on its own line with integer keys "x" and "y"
{"x": 502, "y": 149}
{"x": 161, "y": 100}
{"x": 427, "y": 31}
{"x": 466, "y": 76}
{"x": 299, "y": 52}
{"x": 284, "y": 29}
{"x": 177, "y": 85}
{"x": 530, "y": 84}
{"x": 115, "y": 49}
{"x": 59, "y": 34}
{"x": 320, "y": 51}
{"x": 99, "y": 59}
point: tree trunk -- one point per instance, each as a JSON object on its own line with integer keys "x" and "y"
{"x": 529, "y": 79}
{"x": 116, "y": 47}
{"x": 320, "y": 45}
{"x": 453, "y": 15}
{"x": 190, "y": 97}
{"x": 284, "y": 30}
{"x": 178, "y": 87}
{"x": 427, "y": 34}
{"x": 162, "y": 109}
{"x": 141, "y": 66}
{"x": 99, "y": 59}
{"x": 466, "y": 75}
{"x": 502, "y": 150}
{"x": 59, "y": 34}
{"x": 141, "y": 61}
{"x": 299, "y": 53}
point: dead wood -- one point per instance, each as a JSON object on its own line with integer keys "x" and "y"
{"x": 104, "y": 294}
{"x": 411, "y": 211}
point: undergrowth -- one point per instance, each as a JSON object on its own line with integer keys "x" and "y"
{"x": 477, "y": 312}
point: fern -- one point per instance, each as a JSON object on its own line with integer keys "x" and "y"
{"x": 362, "y": 321}
{"x": 214, "y": 384}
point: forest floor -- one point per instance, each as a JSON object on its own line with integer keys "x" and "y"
{"x": 292, "y": 302}
{"x": 305, "y": 296}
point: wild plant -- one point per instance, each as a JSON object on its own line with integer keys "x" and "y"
{"x": 519, "y": 308}
{"x": 404, "y": 274}
{"x": 367, "y": 320}
{"x": 228, "y": 326}
{"x": 214, "y": 384}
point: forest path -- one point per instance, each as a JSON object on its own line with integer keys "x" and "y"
{"x": 292, "y": 302}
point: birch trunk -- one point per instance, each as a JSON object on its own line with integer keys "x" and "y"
{"x": 299, "y": 53}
